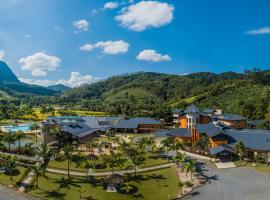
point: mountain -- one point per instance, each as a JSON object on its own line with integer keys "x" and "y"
{"x": 10, "y": 84}
{"x": 149, "y": 94}
{"x": 6, "y": 75}
{"x": 59, "y": 88}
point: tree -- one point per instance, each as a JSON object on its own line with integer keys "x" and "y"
{"x": 34, "y": 127}
{"x": 37, "y": 170}
{"x": 18, "y": 136}
{"x": 110, "y": 133}
{"x": 149, "y": 143}
{"x": 91, "y": 145}
{"x": 136, "y": 158}
{"x": 179, "y": 159}
{"x": 123, "y": 146}
{"x": 202, "y": 143}
{"x": 68, "y": 152}
{"x": 167, "y": 144}
{"x": 57, "y": 132}
{"x": 181, "y": 185}
{"x": 177, "y": 146}
{"x": 113, "y": 160}
{"x": 44, "y": 154}
{"x": 240, "y": 149}
{"x": 189, "y": 166}
{"x": 9, "y": 138}
{"x": 10, "y": 165}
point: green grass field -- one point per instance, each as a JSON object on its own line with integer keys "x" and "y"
{"x": 159, "y": 185}
{"x": 258, "y": 166}
{"x": 18, "y": 175}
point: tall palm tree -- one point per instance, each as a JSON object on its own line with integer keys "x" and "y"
{"x": 136, "y": 158}
{"x": 19, "y": 136}
{"x": 113, "y": 160}
{"x": 142, "y": 144}
{"x": 123, "y": 146}
{"x": 44, "y": 154}
{"x": 9, "y": 138}
{"x": 240, "y": 149}
{"x": 37, "y": 170}
{"x": 179, "y": 159}
{"x": 10, "y": 165}
{"x": 167, "y": 144}
{"x": 149, "y": 143}
{"x": 34, "y": 127}
{"x": 177, "y": 146}
{"x": 68, "y": 152}
{"x": 189, "y": 166}
{"x": 91, "y": 145}
{"x": 57, "y": 132}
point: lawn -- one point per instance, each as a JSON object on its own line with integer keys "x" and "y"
{"x": 149, "y": 161}
{"x": 18, "y": 176}
{"x": 258, "y": 166}
{"x": 162, "y": 184}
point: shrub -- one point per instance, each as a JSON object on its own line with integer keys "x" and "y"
{"x": 188, "y": 184}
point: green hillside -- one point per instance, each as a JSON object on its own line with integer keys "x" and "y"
{"x": 148, "y": 93}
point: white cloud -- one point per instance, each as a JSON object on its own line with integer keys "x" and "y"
{"x": 26, "y": 36}
{"x": 75, "y": 80}
{"x": 86, "y": 47}
{"x": 39, "y": 63}
{"x": 81, "y": 25}
{"x": 152, "y": 56}
{"x": 2, "y": 54}
{"x": 113, "y": 47}
{"x": 260, "y": 31}
{"x": 146, "y": 14}
{"x": 111, "y": 5}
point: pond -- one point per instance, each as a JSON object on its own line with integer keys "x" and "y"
{"x": 24, "y": 141}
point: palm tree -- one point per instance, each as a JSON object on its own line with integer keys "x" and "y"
{"x": 92, "y": 144}
{"x": 18, "y": 136}
{"x": 10, "y": 165}
{"x": 123, "y": 146}
{"x": 149, "y": 143}
{"x": 68, "y": 152}
{"x": 202, "y": 143}
{"x": 114, "y": 160}
{"x": 37, "y": 170}
{"x": 177, "y": 146}
{"x": 179, "y": 159}
{"x": 240, "y": 149}
{"x": 9, "y": 138}
{"x": 181, "y": 185}
{"x": 136, "y": 158}
{"x": 109, "y": 133}
{"x": 44, "y": 154}
{"x": 167, "y": 143}
{"x": 189, "y": 166}
{"x": 142, "y": 144}
{"x": 34, "y": 127}
{"x": 57, "y": 132}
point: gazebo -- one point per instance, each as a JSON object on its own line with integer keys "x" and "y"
{"x": 113, "y": 181}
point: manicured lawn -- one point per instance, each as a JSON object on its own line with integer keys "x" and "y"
{"x": 149, "y": 161}
{"x": 162, "y": 184}
{"x": 18, "y": 175}
{"x": 258, "y": 166}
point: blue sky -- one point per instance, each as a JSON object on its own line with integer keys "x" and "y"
{"x": 41, "y": 39}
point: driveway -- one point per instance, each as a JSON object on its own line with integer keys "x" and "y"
{"x": 10, "y": 194}
{"x": 233, "y": 184}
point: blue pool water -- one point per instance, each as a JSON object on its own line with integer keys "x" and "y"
{"x": 24, "y": 128}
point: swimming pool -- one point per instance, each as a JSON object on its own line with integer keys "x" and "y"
{"x": 22, "y": 127}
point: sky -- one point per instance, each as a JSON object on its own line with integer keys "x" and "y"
{"x": 72, "y": 42}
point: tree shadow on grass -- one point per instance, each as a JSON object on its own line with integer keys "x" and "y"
{"x": 67, "y": 182}
{"x": 156, "y": 177}
{"x": 54, "y": 194}
{"x": 138, "y": 196}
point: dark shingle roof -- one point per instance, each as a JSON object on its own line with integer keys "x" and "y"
{"x": 220, "y": 149}
{"x": 192, "y": 109}
{"x": 252, "y": 138}
{"x": 133, "y": 123}
{"x": 230, "y": 117}
{"x": 210, "y": 129}
{"x": 177, "y": 132}
{"x": 177, "y": 111}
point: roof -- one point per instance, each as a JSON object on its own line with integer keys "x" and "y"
{"x": 252, "y": 138}
{"x": 177, "y": 132}
{"x": 210, "y": 129}
{"x": 256, "y": 122}
{"x": 133, "y": 123}
{"x": 208, "y": 110}
{"x": 230, "y": 117}
{"x": 177, "y": 111}
{"x": 83, "y": 126}
{"x": 192, "y": 109}
{"x": 220, "y": 149}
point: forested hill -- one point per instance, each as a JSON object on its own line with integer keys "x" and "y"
{"x": 147, "y": 93}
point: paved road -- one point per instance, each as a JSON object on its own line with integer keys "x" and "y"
{"x": 10, "y": 194}
{"x": 233, "y": 184}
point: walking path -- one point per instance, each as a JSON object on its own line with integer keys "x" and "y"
{"x": 74, "y": 173}
{"x": 195, "y": 155}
